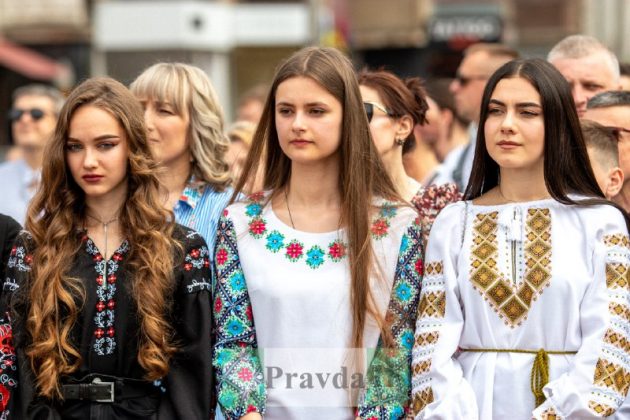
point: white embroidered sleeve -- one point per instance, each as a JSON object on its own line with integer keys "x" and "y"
{"x": 598, "y": 383}
{"x": 438, "y": 386}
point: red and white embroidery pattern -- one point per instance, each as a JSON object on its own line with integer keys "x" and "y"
{"x": 104, "y": 330}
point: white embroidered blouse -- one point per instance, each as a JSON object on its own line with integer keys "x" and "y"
{"x": 283, "y": 317}
{"x": 523, "y": 277}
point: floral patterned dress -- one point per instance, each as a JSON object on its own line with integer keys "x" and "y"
{"x": 430, "y": 201}
{"x": 283, "y": 317}
{"x": 107, "y": 336}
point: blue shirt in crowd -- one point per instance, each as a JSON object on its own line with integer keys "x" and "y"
{"x": 200, "y": 207}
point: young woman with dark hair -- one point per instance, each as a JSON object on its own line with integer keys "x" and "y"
{"x": 108, "y": 298}
{"x": 394, "y": 109}
{"x": 525, "y": 303}
{"x": 322, "y": 267}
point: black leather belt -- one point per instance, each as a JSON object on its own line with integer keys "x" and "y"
{"x": 106, "y": 389}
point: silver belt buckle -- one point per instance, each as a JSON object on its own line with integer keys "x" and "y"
{"x": 111, "y": 390}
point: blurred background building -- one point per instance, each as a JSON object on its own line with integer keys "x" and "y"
{"x": 239, "y": 43}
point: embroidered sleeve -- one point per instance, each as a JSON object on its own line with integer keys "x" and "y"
{"x": 388, "y": 386}
{"x": 598, "y": 384}
{"x": 439, "y": 389}
{"x": 11, "y": 230}
{"x": 189, "y": 381}
{"x": 430, "y": 201}
{"x": 18, "y": 267}
{"x": 240, "y": 383}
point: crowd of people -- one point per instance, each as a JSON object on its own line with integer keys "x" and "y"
{"x": 354, "y": 246}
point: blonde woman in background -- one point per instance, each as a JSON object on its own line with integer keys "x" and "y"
{"x": 186, "y": 131}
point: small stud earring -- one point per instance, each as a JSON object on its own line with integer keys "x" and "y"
{"x": 400, "y": 141}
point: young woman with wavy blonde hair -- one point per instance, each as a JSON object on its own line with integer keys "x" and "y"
{"x": 186, "y": 132}
{"x": 107, "y": 296}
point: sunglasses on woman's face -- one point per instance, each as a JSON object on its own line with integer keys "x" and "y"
{"x": 15, "y": 114}
{"x": 369, "y": 109}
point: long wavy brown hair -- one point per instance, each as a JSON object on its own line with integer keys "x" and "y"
{"x": 53, "y": 299}
{"x": 362, "y": 176}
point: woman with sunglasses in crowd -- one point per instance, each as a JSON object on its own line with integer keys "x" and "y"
{"x": 394, "y": 108}
{"x": 318, "y": 276}
{"x": 185, "y": 128}
{"x": 525, "y": 301}
{"x": 108, "y": 299}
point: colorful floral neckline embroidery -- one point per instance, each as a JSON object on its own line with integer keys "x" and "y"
{"x": 293, "y": 249}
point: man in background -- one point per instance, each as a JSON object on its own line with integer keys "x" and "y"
{"x": 33, "y": 117}
{"x": 588, "y": 66}
{"x": 601, "y": 145}
{"x": 480, "y": 61}
{"x": 612, "y": 109}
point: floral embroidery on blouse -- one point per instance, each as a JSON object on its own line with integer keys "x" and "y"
{"x": 198, "y": 259}
{"x": 240, "y": 382}
{"x": 430, "y": 201}
{"x": 380, "y": 224}
{"x": 8, "y": 368}
{"x": 104, "y": 319}
{"x": 388, "y": 388}
{"x": 20, "y": 260}
{"x": 294, "y": 250}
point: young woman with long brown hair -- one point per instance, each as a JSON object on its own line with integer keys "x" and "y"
{"x": 525, "y": 303}
{"x": 322, "y": 266}
{"x": 394, "y": 108}
{"x": 107, "y": 297}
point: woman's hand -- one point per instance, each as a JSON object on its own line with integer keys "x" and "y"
{"x": 252, "y": 416}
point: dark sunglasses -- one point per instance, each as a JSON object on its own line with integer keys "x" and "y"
{"x": 15, "y": 113}
{"x": 464, "y": 80}
{"x": 369, "y": 109}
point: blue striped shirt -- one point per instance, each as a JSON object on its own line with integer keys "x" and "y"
{"x": 200, "y": 207}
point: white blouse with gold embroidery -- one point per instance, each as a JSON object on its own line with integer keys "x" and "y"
{"x": 523, "y": 277}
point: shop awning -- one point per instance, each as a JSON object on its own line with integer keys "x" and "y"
{"x": 32, "y": 64}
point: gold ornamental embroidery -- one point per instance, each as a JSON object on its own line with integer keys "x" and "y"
{"x": 617, "y": 339}
{"x": 422, "y": 367}
{"x": 601, "y": 409}
{"x": 620, "y": 310}
{"x": 612, "y": 376}
{"x": 433, "y": 269}
{"x": 617, "y": 276}
{"x": 511, "y": 302}
{"x": 427, "y": 338}
{"x": 422, "y": 399}
{"x": 432, "y": 304}
{"x": 550, "y": 414}
{"x": 617, "y": 240}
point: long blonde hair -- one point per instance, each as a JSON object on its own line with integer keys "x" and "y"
{"x": 189, "y": 91}
{"x": 52, "y": 299}
{"x": 362, "y": 176}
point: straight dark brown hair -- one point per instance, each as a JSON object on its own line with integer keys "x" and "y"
{"x": 362, "y": 175}
{"x": 567, "y": 169}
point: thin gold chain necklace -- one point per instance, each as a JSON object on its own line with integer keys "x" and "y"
{"x": 286, "y": 201}
{"x": 105, "y": 226}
